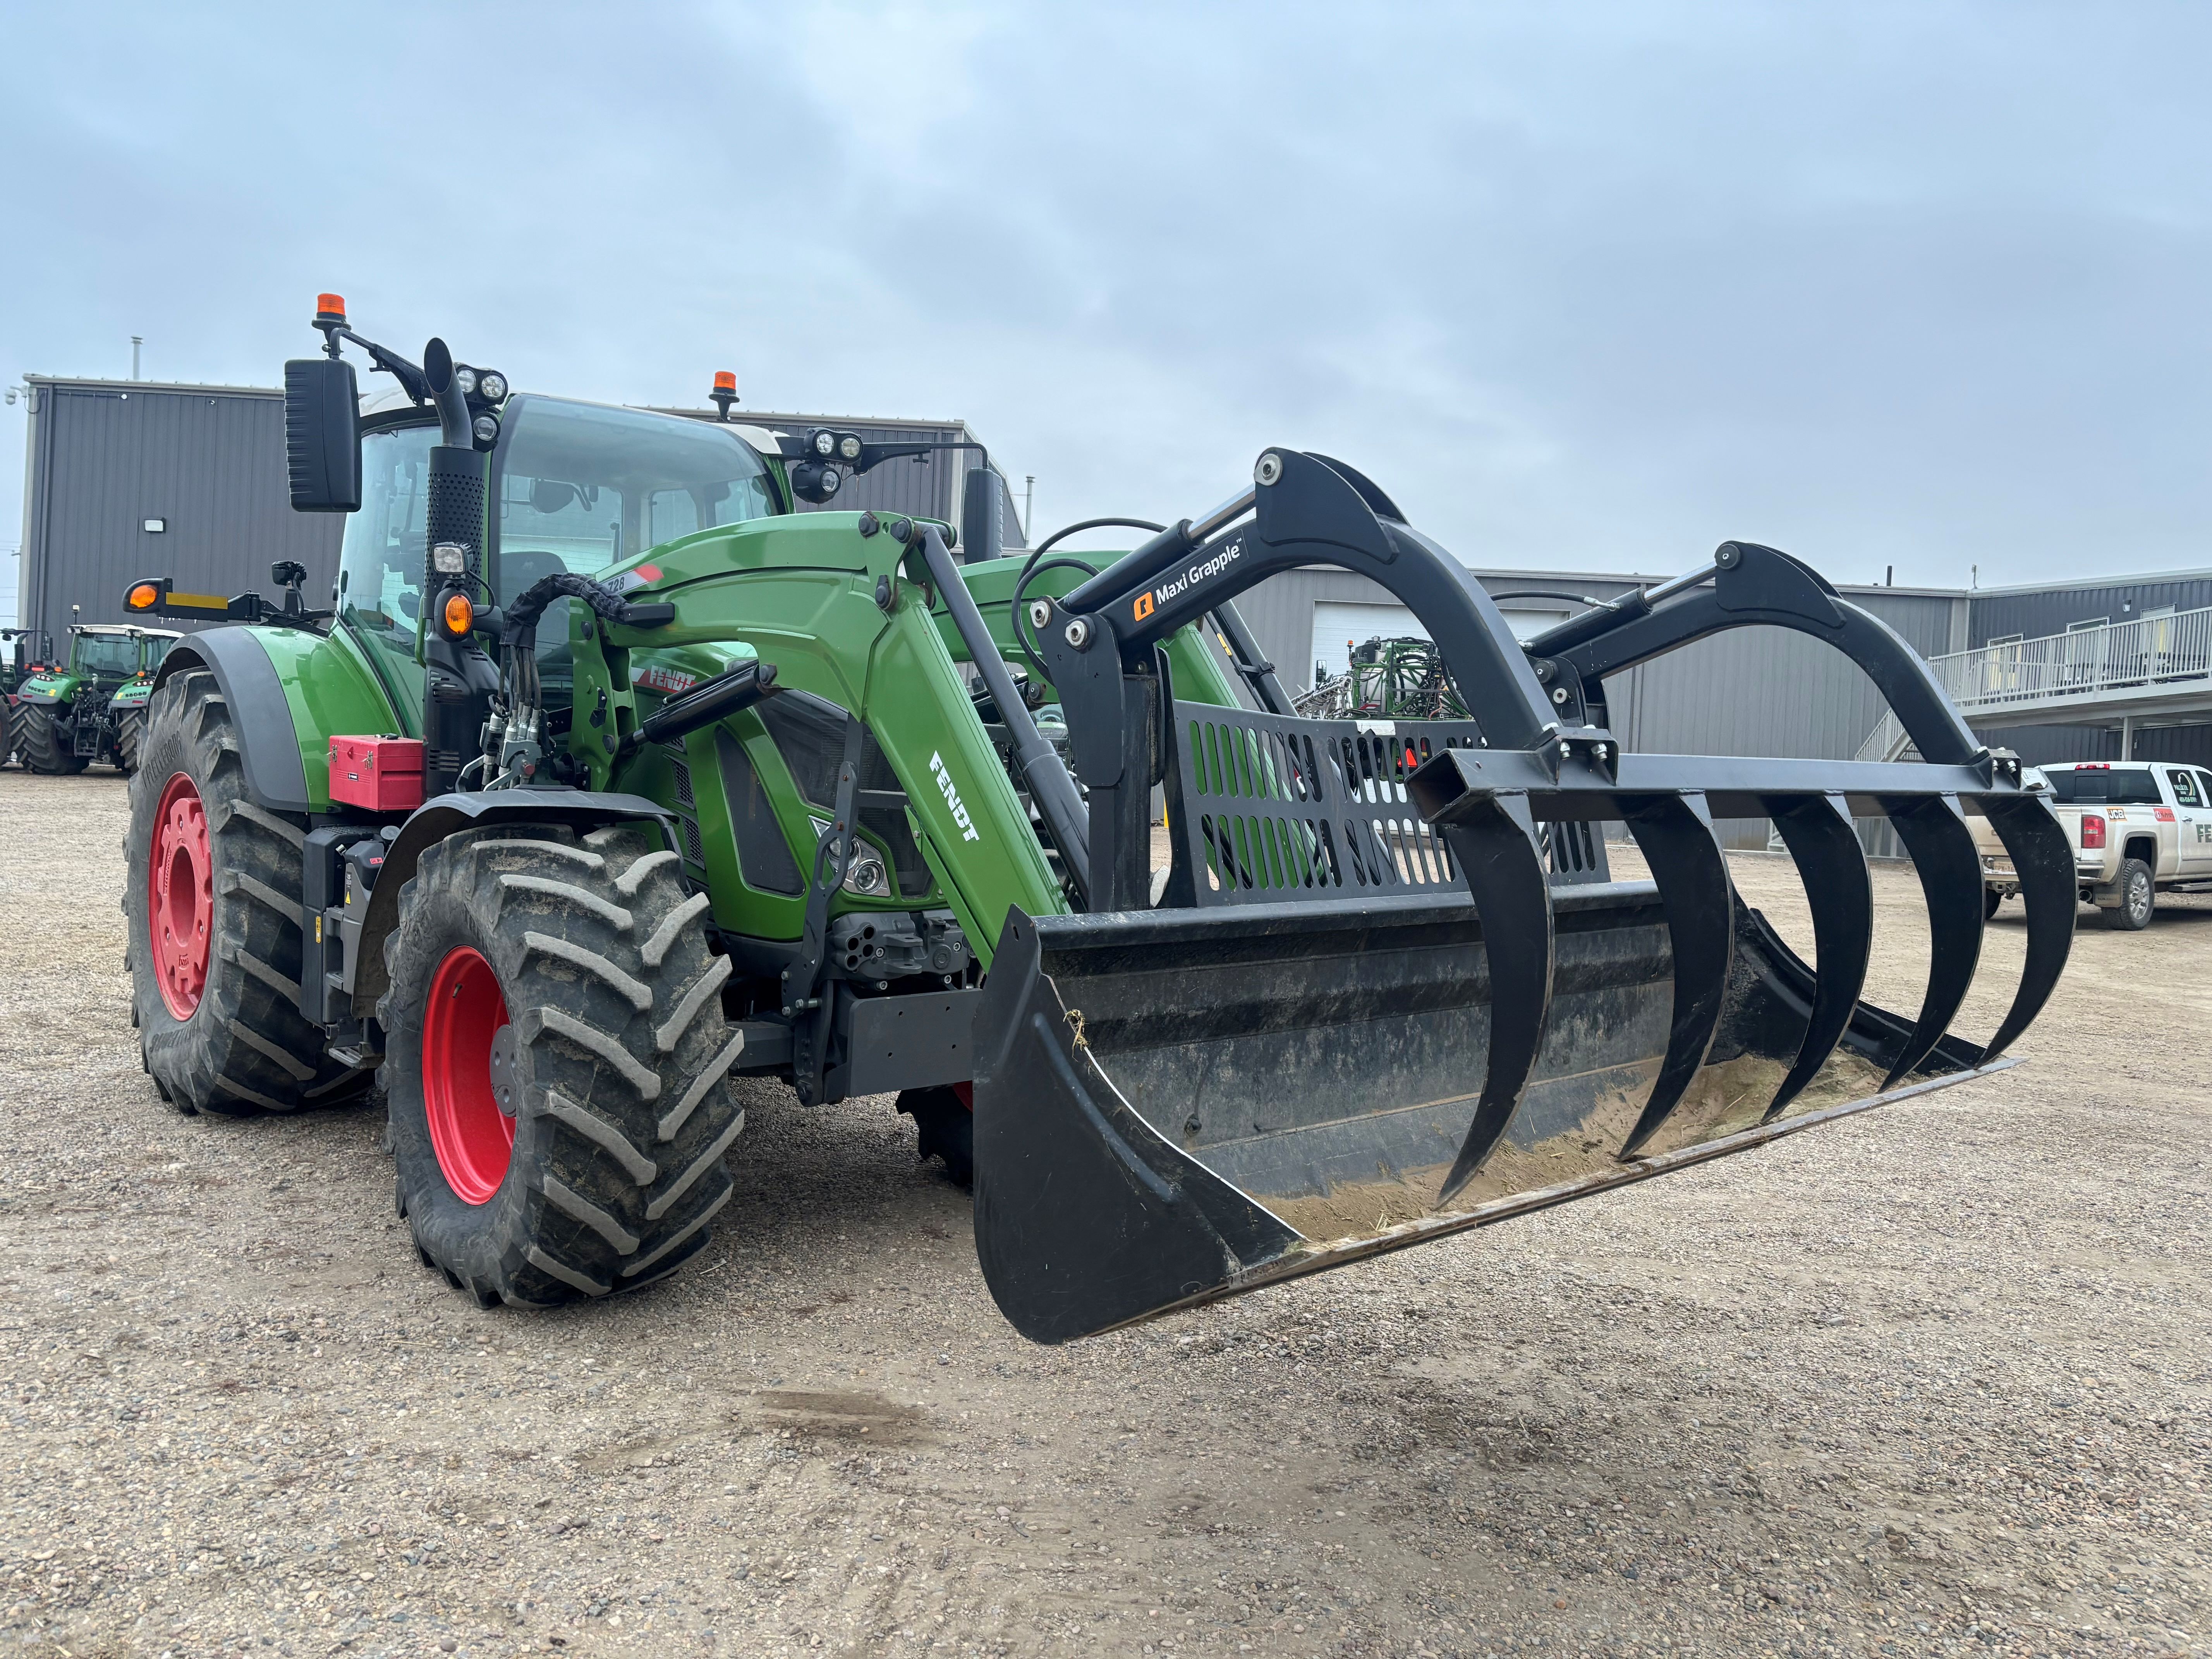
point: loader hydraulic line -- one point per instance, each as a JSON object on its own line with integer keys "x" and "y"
{"x": 712, "y": 702}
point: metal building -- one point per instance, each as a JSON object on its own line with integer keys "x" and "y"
{"x": 129, "y": 478}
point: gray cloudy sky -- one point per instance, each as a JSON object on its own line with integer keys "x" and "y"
{"x": 1584, "y": 286}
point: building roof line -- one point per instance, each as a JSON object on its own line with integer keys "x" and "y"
{"x": 76, "y": 383}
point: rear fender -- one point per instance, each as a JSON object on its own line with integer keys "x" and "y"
{"x": 575, "y": 809}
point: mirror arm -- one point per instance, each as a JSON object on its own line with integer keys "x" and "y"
{"x": 412, "y": 381}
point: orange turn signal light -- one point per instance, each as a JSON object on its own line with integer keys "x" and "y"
{"x": 459, "y": 615}
{"x": 142, "y": 596}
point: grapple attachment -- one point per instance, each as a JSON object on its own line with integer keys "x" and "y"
{"x": 1395, "y": 993}
{"x": 1179, "y": 1105}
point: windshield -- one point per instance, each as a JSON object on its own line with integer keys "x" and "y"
{"x": 106, "y": 653}
{"x": 2116, "y": 785}
{"x": 583, "y": 486}
{"x": 580, "y": 487}
{"x": 381, "y": 565}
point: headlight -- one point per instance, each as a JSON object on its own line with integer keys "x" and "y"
{"x": 486, "y": 427}
{"x": 815, "y": 481}
{"x": 849, "y": 446}
{"x": 825, "y": 444}
{"x": 493, "y": 384}
{"x": 465, "y": 379}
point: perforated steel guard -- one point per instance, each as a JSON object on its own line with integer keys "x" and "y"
{"x": 1264, "y": 808}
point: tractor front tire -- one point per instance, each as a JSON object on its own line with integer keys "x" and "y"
{"x": 213, "y": 903}
{"x": 557, "y": 1063}
{"x": 129, "y": 739}
{"x": 945, "y": 1127}
{"x": 44, "y": 748}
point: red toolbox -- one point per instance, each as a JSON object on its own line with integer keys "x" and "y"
{"x": 384, "y": 774}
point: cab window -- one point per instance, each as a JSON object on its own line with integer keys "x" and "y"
{"x": 2185, "y": 792}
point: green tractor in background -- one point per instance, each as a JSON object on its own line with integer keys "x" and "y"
{"x": 21, "y": 658}
{"x": 611, "y": 779}
{"x": 92, "y": 708}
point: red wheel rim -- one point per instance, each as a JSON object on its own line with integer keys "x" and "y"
{"x": 473, "y": 1139}
{"x": 180, "y": 896}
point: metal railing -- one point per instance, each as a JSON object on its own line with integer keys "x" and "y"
{"x": 2150, "y": 657}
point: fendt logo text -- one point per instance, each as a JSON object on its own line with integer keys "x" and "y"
{"x": 937, "y": 770}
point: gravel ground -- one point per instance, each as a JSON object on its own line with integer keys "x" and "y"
{"x": 1931, "y": 1381}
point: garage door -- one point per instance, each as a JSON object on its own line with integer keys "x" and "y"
{"x": 1339, "y": 626}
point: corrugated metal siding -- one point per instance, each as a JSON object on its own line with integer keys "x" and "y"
{"x": 1992, "y": 616}
{"x": 106, "y": 457}
{"x": 1773, "y": 691}
{"x": 1753, "y": 691}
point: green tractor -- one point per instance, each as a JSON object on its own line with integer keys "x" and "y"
{"x": 21, "y": 659}
{"x": 611, "y": 778}
{"x": 92, "y": 708}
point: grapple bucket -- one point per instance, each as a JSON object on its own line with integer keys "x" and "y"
{"x": 1392, "y": 993}
{"x": 1457, "y": 1019}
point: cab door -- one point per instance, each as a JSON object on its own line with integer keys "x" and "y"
{"x": 2192, "y": 813}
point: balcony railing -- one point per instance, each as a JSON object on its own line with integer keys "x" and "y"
{"x": 2152, "y": 657}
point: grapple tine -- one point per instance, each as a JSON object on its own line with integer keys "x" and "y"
{"x": 1817, "y": 829}
{"x": 1675, "y": 832}
{"x": 2042, "y": 859}
{"x": 1935, "y": 832}
{"x": 1494, "y": 840}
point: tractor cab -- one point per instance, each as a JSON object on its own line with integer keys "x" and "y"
{"x": 575, "y": 487}
{"x": 107, "y": 657}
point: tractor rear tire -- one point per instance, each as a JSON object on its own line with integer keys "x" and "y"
{"x": 7, "y": 724}
{"x": 44, "y": 748}
{"x": 1991, "y": 898}
{"x": 213, "y": 903}
{"x": 129, "y": 739}
{"x": 557, "y": 1063}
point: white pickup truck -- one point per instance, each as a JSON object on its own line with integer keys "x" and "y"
{"x": 2139, "y": 828}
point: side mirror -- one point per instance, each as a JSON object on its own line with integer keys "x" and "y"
{"x": 322, "y": 435}
{"x": 982, "y": 525}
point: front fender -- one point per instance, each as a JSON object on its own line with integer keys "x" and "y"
{"x": 447, "y": 815}
{"x": 268, "y": 747}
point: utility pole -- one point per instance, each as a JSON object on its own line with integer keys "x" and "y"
{"x": 1028, "y": 500}
{"x": 136, "y": 340}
